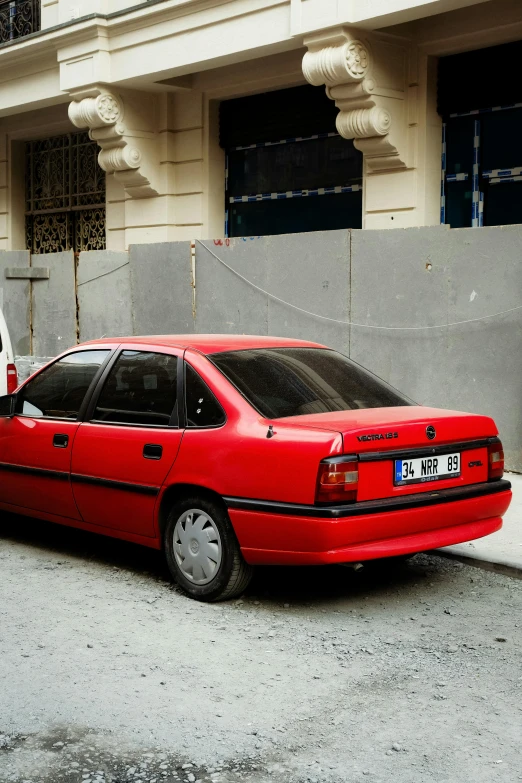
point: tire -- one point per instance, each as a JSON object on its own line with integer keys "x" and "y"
{"x": 202, "y": 551}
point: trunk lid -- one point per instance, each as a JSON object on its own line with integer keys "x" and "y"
{"x": 373, "y": 433}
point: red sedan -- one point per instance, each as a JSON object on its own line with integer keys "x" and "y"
{"x": 230, "y": 452}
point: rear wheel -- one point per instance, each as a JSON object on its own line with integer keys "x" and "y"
{"x": 202, "y": 551}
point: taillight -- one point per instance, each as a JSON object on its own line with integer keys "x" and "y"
{"x": 337, "y": 481}
{"x": 12, "y": 378}
{"x": 495, "y": 461}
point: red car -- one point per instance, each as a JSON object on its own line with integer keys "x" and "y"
{"x": 230, "y": 452}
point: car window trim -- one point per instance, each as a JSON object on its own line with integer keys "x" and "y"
{"x": 88, "y": 394}
{"x": 94, "y": 383}
{"x": 93, "y": 403}
{"x": 204, "y": 426}
{"x": 89, "y": 411}
{"x": 129, "y": 424}
{"x": 179, "y": 418}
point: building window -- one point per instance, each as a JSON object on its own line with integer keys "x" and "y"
{"x": 65, "y": 195}
{"x": 18, "y": 18}
{"x": 286, "y": 170}
{"x": 481, "y": 153}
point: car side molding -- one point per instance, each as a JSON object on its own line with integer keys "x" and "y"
{"x": 365, "y": 507}
{"x": 29, "y": 471}
{"x": 126, "y": 486}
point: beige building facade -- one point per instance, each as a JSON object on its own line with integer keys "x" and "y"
{"x": 117, "y": 120}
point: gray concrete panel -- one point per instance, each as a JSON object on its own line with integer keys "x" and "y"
{"x": 472, "y": 367}
{"x": 394, "y": 285}
{"x": 15, "y": 300}
{"x": 311, "y": 271}
{"x": 104, "y": 295}
{"x": 225, "y": 304}
{"x": 484, "y": 362}
{"x": 54, "y": 305}
{"x": 161, "y": 289}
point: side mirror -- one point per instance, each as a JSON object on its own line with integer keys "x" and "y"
{"x": 7, "y": 406}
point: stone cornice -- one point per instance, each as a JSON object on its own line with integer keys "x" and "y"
{"x": 32, "y": 46}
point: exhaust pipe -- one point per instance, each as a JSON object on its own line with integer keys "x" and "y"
{"x": 353, "y": 566}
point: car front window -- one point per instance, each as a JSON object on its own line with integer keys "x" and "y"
{"x": 282, "y": 382}
{"x": 59, "y": 390}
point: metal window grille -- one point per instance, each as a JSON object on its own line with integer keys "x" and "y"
{"x": 65, "y": 195}
{"x": 478, "y": 177}
{"x": 18, "y": 18}
{"x": 354, "y": 186}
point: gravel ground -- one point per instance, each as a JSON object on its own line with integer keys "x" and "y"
{"x": 406, "y": 672}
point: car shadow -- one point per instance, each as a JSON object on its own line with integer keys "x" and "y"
{"x": 298, "y": 586}
{"x": 73, "y": 543}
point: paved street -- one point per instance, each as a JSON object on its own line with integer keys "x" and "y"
{"x": 403, "y": 673}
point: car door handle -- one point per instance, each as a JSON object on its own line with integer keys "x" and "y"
{"x": 152, "y": 451}
{"x": 60, "y": 441}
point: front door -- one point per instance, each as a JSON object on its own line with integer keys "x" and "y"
{"x": 36, "y": 444}
{"x": 123, "y": 454}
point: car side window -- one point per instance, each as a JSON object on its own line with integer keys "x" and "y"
{"x": 141, "y": 389}
{"x": 203, "y": 410}
{"x": 59, "y": 391}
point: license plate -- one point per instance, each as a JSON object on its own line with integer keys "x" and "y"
{"x": 418, "y": 471}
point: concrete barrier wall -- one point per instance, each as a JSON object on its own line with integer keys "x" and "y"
{"x": 53, "y": 305}
{"x": 312, "y": 286}
{"x": 104, "y": 295}
{"x": 414, "y": 278}
{"x": 161, "y": 284}
{"x": 427, "y": 277}
{"x": 15, "y": 300}
{"x": 311, "y": 271}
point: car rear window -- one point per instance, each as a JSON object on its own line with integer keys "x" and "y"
{"x": 282, "y": 382}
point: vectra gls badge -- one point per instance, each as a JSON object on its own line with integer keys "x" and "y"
{"x": 430, "y": 432}
{"x": 378, "y": 436}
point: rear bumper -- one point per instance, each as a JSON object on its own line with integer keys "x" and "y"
{"x": 282, "y": 534}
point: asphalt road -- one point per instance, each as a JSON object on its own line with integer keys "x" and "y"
{"x": 107, "y": 673}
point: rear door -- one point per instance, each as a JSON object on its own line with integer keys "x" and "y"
{"x": 36, "y": 444}
{"x": 129, "y": 441}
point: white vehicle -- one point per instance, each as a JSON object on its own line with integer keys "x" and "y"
{"x": 8, "y": 374}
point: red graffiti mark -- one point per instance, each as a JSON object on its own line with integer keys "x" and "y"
{"x": 221, "y": 242}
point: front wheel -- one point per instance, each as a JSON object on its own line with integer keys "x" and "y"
{"x": 202, "y": 551}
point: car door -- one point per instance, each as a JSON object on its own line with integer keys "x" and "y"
{"x": 126, "y": 447}
{"x": 36, "y": 443}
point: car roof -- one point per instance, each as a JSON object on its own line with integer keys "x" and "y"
{"x": 210, "y": 343}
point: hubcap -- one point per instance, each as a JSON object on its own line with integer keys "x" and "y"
{"x": 197, "y": 546}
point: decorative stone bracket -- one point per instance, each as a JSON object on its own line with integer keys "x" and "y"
{"x": 127, "y": 153}
{"x": 370, "y": 114}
